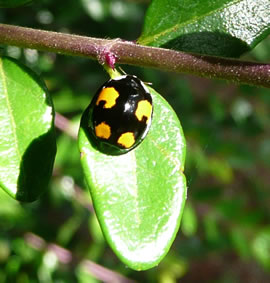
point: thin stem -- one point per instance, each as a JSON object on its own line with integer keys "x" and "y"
{"x": 65, "y": 125}
{"x": 66, "y": 257}
{"x": 126, "y": 52}
{"x": 113, "y": 73}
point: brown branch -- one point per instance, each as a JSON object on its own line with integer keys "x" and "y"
{"x": 126, "y": 52}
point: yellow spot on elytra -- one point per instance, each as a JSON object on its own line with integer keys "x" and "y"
{"x": 103, "y": 130}
{"x": 109, "y": 95}
{"x": 127, "y": 140}
{"x": 144, "y": 109}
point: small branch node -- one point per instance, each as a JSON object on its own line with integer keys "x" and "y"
{"x": 106, "y": 55}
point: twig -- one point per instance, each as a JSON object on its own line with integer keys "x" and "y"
{"x": 127, "y": 52}
{"x": 64, "y": 125}
{"x": 65, "y": 256}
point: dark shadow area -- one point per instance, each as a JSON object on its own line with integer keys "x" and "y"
{"x": 209, "y": 43}
{"x": 13, "y": 4}
{"x": 36, "y": 167}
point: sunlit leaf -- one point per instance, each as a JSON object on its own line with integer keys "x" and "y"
{"x": 222, "y": 27}
{"x": 27, "y": 142}
{"x": 139, "y": 196}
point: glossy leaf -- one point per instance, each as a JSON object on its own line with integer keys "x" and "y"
{"x": 139, "y": 196}
{"x": 27, "y": 141}
{"x": 221, "y": 27}
{"x": 13, "y": 3}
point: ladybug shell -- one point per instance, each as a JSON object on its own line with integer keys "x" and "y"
{"x": 121, "y": 113}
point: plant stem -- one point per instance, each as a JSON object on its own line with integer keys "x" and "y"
{"x": 113, "y": 73}
{"x": 127, "y": 52}
{"x": 64, "y": 125}
{"x": 66, "y": 257}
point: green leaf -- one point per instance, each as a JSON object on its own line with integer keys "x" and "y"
{"x": 189, "y": 221}
{"x": 13, "y": 3}
{"x": 222, "y": 27}
{"x": 261, "y": 247}
{"x": 139, "y": 196}
{"x": 27, "y": 141}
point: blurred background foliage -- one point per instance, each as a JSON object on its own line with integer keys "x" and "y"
{"x": 225, "y": 231}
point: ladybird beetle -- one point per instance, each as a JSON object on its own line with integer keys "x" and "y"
{"x": 120, "y": 114}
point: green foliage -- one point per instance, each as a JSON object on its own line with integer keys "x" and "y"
{"x": 225, "y": 225}
{"x": 261, "y": 247}
{"x": 13, "y": 3}
{"x": 225, "y": 28}
{"x": 139, "y": 196}
{"x": 189, "y": 223}
{"x": 27, "y": 142}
